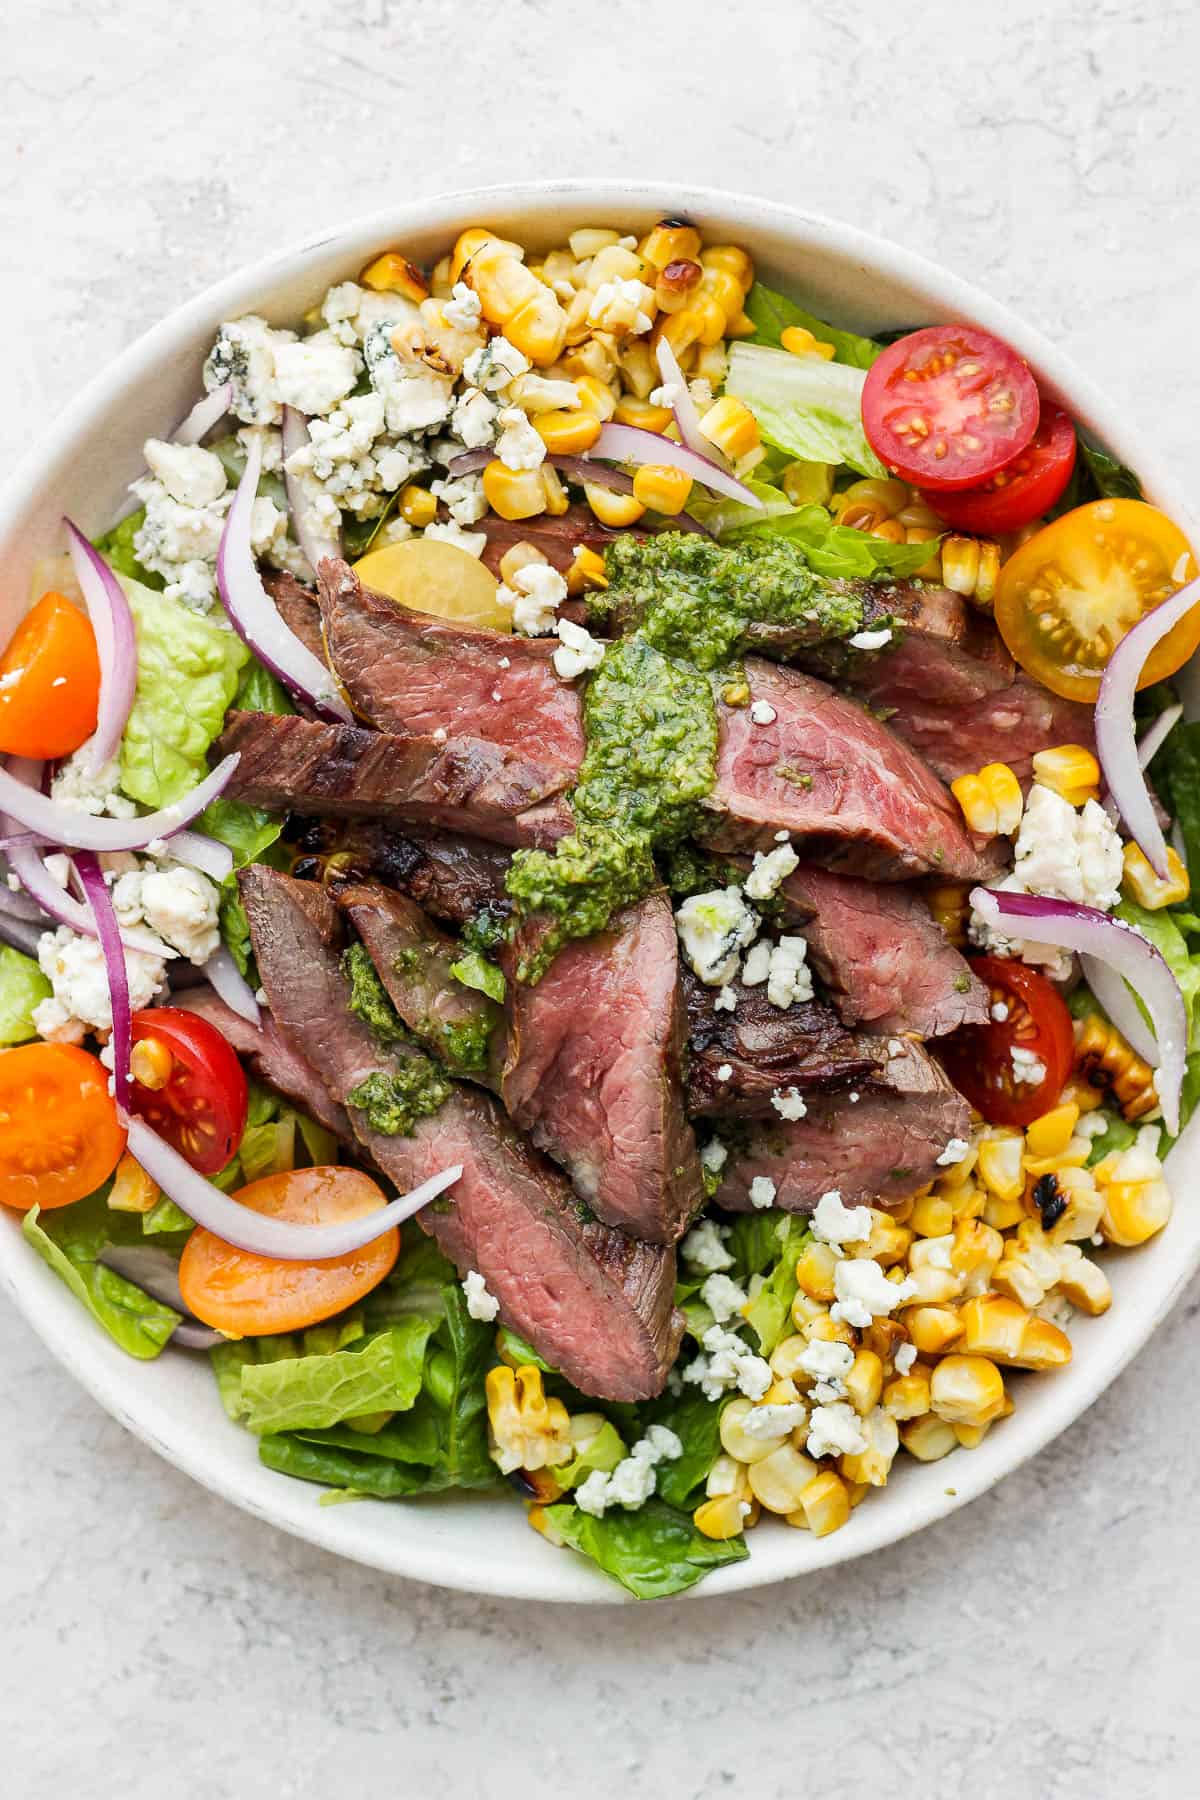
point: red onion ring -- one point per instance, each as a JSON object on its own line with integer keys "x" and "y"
{"x": 206, "y": 413}
{"x": 38, "y": 882}
{"x": 116, "y": 644}
{"x": 1111, "y": 991}
{"x": 231, "y": 985}
{"x": 109, "y": 933}
{"x": 630, "y": 443}
{"x": 1091, "y": 933}
{"x": 254, "y": 615}
{"x": 1149, "y": 745}
{"x": 258, "y": 1233}
{"x": 202, "y": 852}
{"x": 55, "y": 824}
{"x": 315, "y": 547}
{"x": 684, "y": 408}
{"x": 577, "y": 467}
{"x": 1115, "y": 738}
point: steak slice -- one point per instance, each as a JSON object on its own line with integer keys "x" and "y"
{"x": 290, "y": 764}
{"x": 452, "y": 877}
{"x": 594, "y": 1071}
{"x": 765, "y": 1049}
{"x": 595, "y": 1303}
{"x": 409, "y": 672}
{"x": 273, "y": 1059}
{"x": 849, "y": 792}
{"x": 880, "y": 1147}
{"x": 297, "y": 607}
{"x": 882, "y": 958}
{"x": 462, "y": 1027}
{"x": 1008, "y": 725}
{"x": 944, "y": 649}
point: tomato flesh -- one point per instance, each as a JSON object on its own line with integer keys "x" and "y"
{"x": 49, "y": 681}
{"x": 949, "y": 406}
{"x": 1032, "y": 1018}
{"x": 247, "y": 1295}
{"x": 1068, "y": 596}
{"x": 60, "y": 1136}
{"x": 1023, "y": 490}
{"x": 200, "y": 1106}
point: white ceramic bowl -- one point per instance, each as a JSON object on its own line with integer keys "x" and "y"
{"x": 81, "y": 468}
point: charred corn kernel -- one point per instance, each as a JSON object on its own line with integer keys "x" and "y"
{"x": 512, "y": 297}
{"x": 1050, "y": 1135}
{"x": 611, "y": 508}
{"x": 1071, "y": 770}
{"x": 617, "y": 263}
{"x": 1002, "y": 1215}
{"x": 933, "y": 1216}
{"x": 991, "y": 801}
{"x": 732, "y": 427}
{"x": 807, "y": 483}
{"x": 1001, "y": 1166}
{"x": 932, "y": 1328}
{"x": 824, "y": 1504}
{"x": 558, "y": 501}
{"x": 637, "y": 369}
{"x": 418, "y": 505}
{"x": 596, "y": 397}
{"x": 1076, "y": 1200}
{"x": 864, "y": 1382}
{"x": 514, "y": 493}
{"x": 662, "y": 488}
{"x": 884, "y": 1337}
{"x": 467, "y": 243}
{"x": 132, "y": 1190}
{"x": 745, "y": 1446}
{"x": 1134, "y": 1211}
{"x": 594, "y": 356}
{"x": 151, "y": 1063}
{"x": 949, "y": 904}
{"x": 976, "y": 1250}
{"x": 825, "y": 1329}
{"x": 930, "y": 1270}
{"x": 928, "y": 1438}
{"x": 1029, "y": 1267}
{"x": 1105, "y": 1060}
{"x": 865, "y": 503}
{"x": 440, "y": 285}
{"x": 785, "y": 1359}
{"x": 1149, "y": 889}
{"x": 719, "y": 286}
{"x": 907, "y": 1396}
{"x": 517, "y": 557}
{"x": 589, "y": 240}
{"x": 814, "y": 1272}
{"x": 802, "y": 342}
{"x": 669, "y": 241}
{"x": 392, "y": 273}
{"x": 630, "y": 410}
{"x": 1083, "y": 1095}
{"x": 1083, "y": 1282}
{"x": 586, "y": 573}
{"x": 873, "y": 1464}
{"x": 722, "y": 1518}
{"x": 970, "y": 567}
{"x": 677, "y": 284}
{"x": 778, "y": 1480}
{"x": 997, "y": 1327}
{"x": 734, "y": 260}
{"x": 966, "y": 1390}
{"x": 888, "y": 1243}
{"x": 567, "y": 433}
{"x": 528, "y": 1431}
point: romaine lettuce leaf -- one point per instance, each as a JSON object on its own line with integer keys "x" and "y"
{"x": 653, "y": 1551}
{"x": 343, "y": 1470}
{"x": 1164, "y": 933}
{"x": 839, "y": 551}
{"x": 519, "y": 1350}
{"x": 1112, "y": 478}
{"x": 22, "y": 986}
{"x": 70, "y": 1240}
{"x": 1175, "y": 772}
{"x": 116, "y": 547}
{"x": 454, "y": 1382}
{"x": 383, "y": 1375}
{"x": 811, "y": 409}
{"x": 772, "y": 313}
{"x": 696, "y": 1423}
{"x": 604, "y": 1452}
{"x": 770, "y": 1310}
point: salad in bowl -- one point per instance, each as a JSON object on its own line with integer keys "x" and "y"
{"x": 597, "y": 896}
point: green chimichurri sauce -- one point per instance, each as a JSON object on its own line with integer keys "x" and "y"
{"x": 393, "y": 1100}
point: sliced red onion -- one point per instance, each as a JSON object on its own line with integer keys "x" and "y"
{"x": 1091, "y": 933}
{"x": 1115, "y": 738}
{"x": 37, "y": 881}
{"x": 687, "y": 413}
{"x": 1149, "y": 745}
{"x": 315, "y": 545}
{"x": 156, "y": 1271}
{"x": 116, "y": 644}
{"x": 577, "y": 467}
{"x": 629, "y": 443}
{"x": 109, "y": 933}
{"x": 21, "y": 934}
{"x": 1112, "y": 991}
{"x": 20, "y": 905}
{"x": 205, "y": 414}
{"x": 202, "y": 852}
{"x": 258, "y": 1233}
{"x": 55, "y": 824}
{"x": 254, "y": 615}
{"x": 232, "y": 986}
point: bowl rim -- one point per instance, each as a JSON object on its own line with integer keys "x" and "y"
{"x": 411, "y": 1554}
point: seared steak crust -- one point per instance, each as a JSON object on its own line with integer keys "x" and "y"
{"x": 766, "y": 1049}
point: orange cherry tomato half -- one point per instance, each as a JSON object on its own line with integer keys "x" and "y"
{"x": 1066, "y": 598}
{"x": 246, "y": 1295}
{"x": 1034, "y": 1018}
{"x": 1023, "y": 490}
{"x": 188, "y": 1085}
{"x": 49, "y": 681}
{"x": 949, "y": 406}
{"x": 59, "y": 1132}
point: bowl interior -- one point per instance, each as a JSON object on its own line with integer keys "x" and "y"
{"x": 82, "y": 467}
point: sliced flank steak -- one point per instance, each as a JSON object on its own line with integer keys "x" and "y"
{"x": 594, "y": 1070}
{"x": 1010, "y": 725}
{"x": 272, "y": 1058}
{"x": 596, "y": 1304}
{"x": 848, "y": 791}
{"x": 297, "y": 607}
{"x": 940, "y": 648}
{"x": 290, "y": 764}
{"x": 879, "y": 1142}
{"x": 881, "y": 956}
{"x": 451, "y": 876}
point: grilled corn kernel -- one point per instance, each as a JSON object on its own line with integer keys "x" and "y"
{"x": 966, "y": 1390}
{"x": 976, "y": 1250}
{"x": 864, "y": 1382}
{"x": 517, "y": 557}
{"x": 1071, "y": 770}
{"x": 970, "y": 567}
{"x": 934, "y": 1279}
{"x": 417, "y": 505}
{"x": 786, "y": 1357}
{"x": 151, "y": 1063}
{"x": 132, "y": 1190}
{"x": 558, "y": 501}
{"x": 1051, "y": 1134}
{"x": 864, "y": 503}
{"x": 677, "y": 285}
{"x": 567, "y": 433}
{"x": 610, "y": 508}
{"x": 928, "y": 1438}
{"x": 745, "y": 1446}
{"x": 467, "y": 243}
{"x": 593, "y": 356}
{"x": 884, "y": 1337}
{"x": 727, "y": 1476}
{"x": 907, "y": 1396}
{"x": 662, "y": 488}
{"x": 514, "y": 493}
{"x": 440, "y": 285}
{"x": 1083, "y": 1282}
{"x": 1001, "y": 1165}
{"x": 971, "y": 1436}
{"x": 637, "y": 369}
{"x": 392, "y": 273}
{"x": 948, "y": 902}
{"x": 719, "y": 286}
{"x": 806, "y": 483}
{"x": 997, "y": 1327}
{"x": 527, "y": 311}
{"x": 617, "y": 263}
{"x": 1134, "y": 1211}
{"x": 669, "y": 241}
{"x": 968, "y": 1200}
{"x": 722, "y": 1518}
{"x": 814, "y": 1272}
{"x": 932, "y": 1328}
{"x": 825, "y": 1329}
{"x": 802, "y": 342}
{"x": 1149, "y": 889}
{"x": 932, "y": 1216}
{"x": 734, "y": 260}
{"x": 1002, "y": 1215}
{"x": 528, "y": 1430}
{"x": 778, "y": 1480}
{"x": 1074, "y": 1204}
{"x": 632, "y": 411}
{"x": 991, "y": 801}
{"x": 586, "y": 573}
{"x": 589, "y": 240}
{"x": 888, "y": 1243}
{"x": 873, "y": 1464}
{"x": 732, "y": 427}
{"x": 596, "y": 397}
{"x": 1105, "y": 1060}
{"x": 824, "y": 1505}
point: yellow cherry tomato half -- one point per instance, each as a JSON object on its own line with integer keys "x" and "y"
{"x": 432, "y": 576}
{"x": 1068, "y": 596}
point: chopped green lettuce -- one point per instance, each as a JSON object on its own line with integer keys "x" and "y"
{"x": 1175, "y": 772}
{"x": 116, "y": 547}
{"x": 604, "y": 1452}
{"x": 696, "y": 1422}
{"x": 520, "y": 1352}
{"x": 22, "y": 987}
{"x": 1164, "y": 932}
{"x": 377, "y": 1374}
{"x": 653, "y": 1551}
{"x": 70, "y": 1240}
{"x": 773, "y": 313}
{"x": 770, "y": 1310}
{"x": 811, "y": 409}
{"x": 837, "y": 551}
{"x": 342, "y": 1470}
{"x": 475, "y": 971}
{"x": 1111, "y": 478}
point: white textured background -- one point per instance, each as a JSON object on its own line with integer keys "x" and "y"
{"x": 154, "y": 1642}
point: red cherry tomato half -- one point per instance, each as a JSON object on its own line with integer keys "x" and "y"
{"x": 1034, "y": 1018}
{"x": 1023, "y": 490}
{"x": 949, "y": 406}
{"x": 188, "y": 1085}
